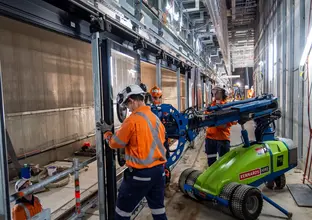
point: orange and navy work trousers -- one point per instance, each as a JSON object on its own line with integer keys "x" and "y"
{"x": 140, "y": 183}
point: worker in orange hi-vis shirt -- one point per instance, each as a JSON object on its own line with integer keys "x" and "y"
{"x": 218, "y": 138}
{"x": 156, "y": 94}
{"x": 142, "y": 135}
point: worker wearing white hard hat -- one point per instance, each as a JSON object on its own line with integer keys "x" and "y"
{"x": 218, "y": 138}
{"x": 142, "y": 136}
{"x": 28, "y": 206}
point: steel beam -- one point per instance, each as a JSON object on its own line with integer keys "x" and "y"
{"x": 178, "y": 88}
{"x": 158, "y": 73}
{"x": 290, "y": 70}
{"x": 284, "y": 40}
{"x": 301, "y": 82}
{"x": 187, "y": 92}
{"x": 5, "y": 212}
{"x": 98, "y": 115}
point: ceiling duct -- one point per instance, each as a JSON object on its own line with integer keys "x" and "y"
{"x": 218, "y": 13}
{"x": 196, "y": 9}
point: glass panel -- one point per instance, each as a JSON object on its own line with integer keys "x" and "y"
{"x": 123, "y": 73}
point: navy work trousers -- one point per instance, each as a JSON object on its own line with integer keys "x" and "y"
{"x": 214, "y": 147}
{"x": 140, "y": 183}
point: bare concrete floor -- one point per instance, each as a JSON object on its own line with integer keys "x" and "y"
{"x": 178, "y": 206}
{"x": 181, "y": 207}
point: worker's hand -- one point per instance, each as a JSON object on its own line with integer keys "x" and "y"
{"x": 102, "y": 126}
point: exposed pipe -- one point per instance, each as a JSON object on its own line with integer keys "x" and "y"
{"x": 56, "y": 146}
{"x": 46, "y": 111}
{"x": 233, "y": 9}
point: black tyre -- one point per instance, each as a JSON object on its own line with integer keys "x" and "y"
{"x": 190, "y": 180}
{"x": 227, "y": 194}
{"x": 247, "y": 203}
{"x": 270, "y": 185}
{"x": 183, "y": 178}
{"x": 280, "y": 182}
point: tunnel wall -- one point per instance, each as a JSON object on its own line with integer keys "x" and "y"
{"x": 48, "y": 92}
{"x": 280, "y": 38}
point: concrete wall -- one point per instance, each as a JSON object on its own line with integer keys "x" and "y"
{"x": 48, "y": 90}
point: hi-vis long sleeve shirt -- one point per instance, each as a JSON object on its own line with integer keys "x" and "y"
{"x": 142, "y": 135}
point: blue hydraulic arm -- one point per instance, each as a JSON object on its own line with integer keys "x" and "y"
{"x": 185, "y": 126}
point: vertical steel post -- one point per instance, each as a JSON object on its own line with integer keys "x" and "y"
{"x": 158, "y": 73}
{"x": 203, "y": 91}
{"x": 291, "y": 70}
{"x": 195, "y": 88}
{"x": 178, "y": 88}
{"x": 98, "y": 115}
{"x": 109, "y": 119}
{"x": 247, "y": 77}
{"x": 187, "y": 92}
{"x": 77, "y": 187}
{"x": 284, "y": 40}
{"x": 5, "y": 212}
{"x": 278, "y": 62}
{"x": 301, "y": 82}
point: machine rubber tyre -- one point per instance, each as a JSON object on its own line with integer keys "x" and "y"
{"x": 191, "y": 180}
{"x": 183, "y": 178}
{"x": 247, "y": 202}
{"x": 270, "y": 185}
{"x": 280, "y": 182}
{"x": 227, "y": 194}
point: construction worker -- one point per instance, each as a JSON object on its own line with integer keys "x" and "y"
{"x": 28, "y": 206}
{"x": 156, "y": 94}
{"x": 250, "y": 93}
{"x": 142, "y": 136}
{"x": 218, "y": 138}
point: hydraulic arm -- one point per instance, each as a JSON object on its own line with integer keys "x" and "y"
{"x": 185, "y": 126}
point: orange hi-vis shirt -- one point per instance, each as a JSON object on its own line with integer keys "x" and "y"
{"x": 142, "y": 135}
{"x": 222, "y": 132}
{"x": 32, "y": 207}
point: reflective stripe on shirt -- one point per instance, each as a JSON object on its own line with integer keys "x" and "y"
{"x": 156, "y": 143}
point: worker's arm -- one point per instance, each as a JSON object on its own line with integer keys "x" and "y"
{"x": 18, "y": 213}
{"x": 122, "y": 137}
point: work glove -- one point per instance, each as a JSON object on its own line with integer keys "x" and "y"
{"x": 102, "y": 126}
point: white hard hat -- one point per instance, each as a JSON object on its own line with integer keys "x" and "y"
{"x": 128, "y": 91}
{"x": 20, "y": 183}
{"x": 220, "y": 87}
